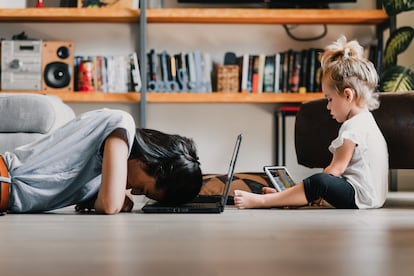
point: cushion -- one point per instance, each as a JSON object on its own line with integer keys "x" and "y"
{"x": 213, "y": 184}
{"x": 28, "y": 112}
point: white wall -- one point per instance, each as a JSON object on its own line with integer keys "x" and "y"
{"x": 214, "y": 127}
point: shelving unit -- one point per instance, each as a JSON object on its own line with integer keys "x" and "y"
{"x": 376, "y": 17}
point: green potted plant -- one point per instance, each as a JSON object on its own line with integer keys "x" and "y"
{"x": 396, "y": 77}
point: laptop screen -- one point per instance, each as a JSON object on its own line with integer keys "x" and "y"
{"x": 231, "y": 170}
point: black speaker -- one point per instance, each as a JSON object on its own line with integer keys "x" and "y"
{"x": 57, "y": 66}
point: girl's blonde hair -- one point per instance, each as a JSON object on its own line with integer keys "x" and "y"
{"x": 344, "y": 66}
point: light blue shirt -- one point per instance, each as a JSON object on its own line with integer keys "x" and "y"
{"x": 64, "y": 168}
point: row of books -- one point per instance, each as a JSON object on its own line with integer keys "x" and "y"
{"x": 289, "y": 71}
{"x": 182, "y": 72}
{"x": 111, "y": 74}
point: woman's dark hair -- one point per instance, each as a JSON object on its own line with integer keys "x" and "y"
{"x": 172, "y": 160}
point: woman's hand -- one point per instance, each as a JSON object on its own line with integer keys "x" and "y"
{"x": 89, "y": 206}
{"x": 86, "y": 207}
{"x": 128, "y": 203}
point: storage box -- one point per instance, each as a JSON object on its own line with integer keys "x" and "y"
{"x": 228, "y": 78}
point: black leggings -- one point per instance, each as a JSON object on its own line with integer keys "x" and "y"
{"x": 335, "y": 190}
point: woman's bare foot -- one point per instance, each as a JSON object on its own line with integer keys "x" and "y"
{"x": 244, "y": 200}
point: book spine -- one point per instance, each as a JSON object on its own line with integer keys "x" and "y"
{"x": 136, "y": 82}
{"x": 260, "y": 72}
{"x": 295, "y": 65}
{"x": 269, "y": 74}
{"x": 249, "y": 87}
{"x": 255, "y": 74}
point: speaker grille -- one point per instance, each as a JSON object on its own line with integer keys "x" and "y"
{"x": 57, "y": 74}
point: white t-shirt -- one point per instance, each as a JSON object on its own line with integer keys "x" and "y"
{"x": 368, "y": 169}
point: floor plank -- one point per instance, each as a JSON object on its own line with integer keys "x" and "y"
{"x": 236, "y": 242}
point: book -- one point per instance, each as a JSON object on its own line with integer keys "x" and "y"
{"x": 279, "y": 72}
{"x": 152, "y": 70}
{"x": 182, "y": 71}
{"x": 243, "y": 62}
{"x": 255, "y": 74}
{"x": 316, "y": 66}
{"x": 295, "y": 68}
{"x": 199, "y": 87}
{"x": 249, "y": 87}
{"x": 286, "y": 70}
{"x": 207, "y": 70}
{"x": 192, "y": 84}
{"x": 269, "y": 74}
{"x": 304, "y": 72}
{"x": 136, "y": 82}
{"x": 314, "y": 71}
{"x": 117, "y": 69}
{"x": 260, "y": 72}
{"x": 164, "y": 63}
{"x": 98, "y": 77}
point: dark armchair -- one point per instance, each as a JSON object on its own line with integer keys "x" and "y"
{"x": 315, "y": 129}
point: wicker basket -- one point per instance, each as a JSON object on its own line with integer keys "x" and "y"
{"x": 228, "y": 79}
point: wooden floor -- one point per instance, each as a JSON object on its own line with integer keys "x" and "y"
{"x": 236, "y": 242}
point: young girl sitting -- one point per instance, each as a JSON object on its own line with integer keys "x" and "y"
{"x": 357, "y": 176}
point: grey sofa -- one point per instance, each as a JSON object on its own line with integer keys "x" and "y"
{"x": 27, "y": 117}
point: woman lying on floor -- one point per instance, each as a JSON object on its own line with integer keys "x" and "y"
{"x": 96, "y": 162}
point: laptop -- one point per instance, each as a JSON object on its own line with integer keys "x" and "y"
{"x": 206, "y": 204}
{"x": 280, "y": 177}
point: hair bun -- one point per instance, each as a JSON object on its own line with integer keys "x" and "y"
{"x": 340, "y": 50}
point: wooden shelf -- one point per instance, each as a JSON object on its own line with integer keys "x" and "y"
{"x": 238, "y": 98}
{"x": 70, "y": 15}
{"x": 262, "y": 98}
{"x": 197, "y": 15}
{"x": 89, "y": 97}
{"x": 266, "y": 16}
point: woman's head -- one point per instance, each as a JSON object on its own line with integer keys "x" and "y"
{"x": 344, "y": 66}
{"x": 172, "y": 160}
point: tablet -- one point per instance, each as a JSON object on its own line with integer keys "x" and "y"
{"x": 280, "y": 177}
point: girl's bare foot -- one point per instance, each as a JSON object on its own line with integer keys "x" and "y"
{"x": 268, "y": 190}
{"x": 243, "y": 199}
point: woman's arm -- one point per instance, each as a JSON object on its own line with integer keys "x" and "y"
{"x": 341, "y": 158}
{"x": 111, "y": 195}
